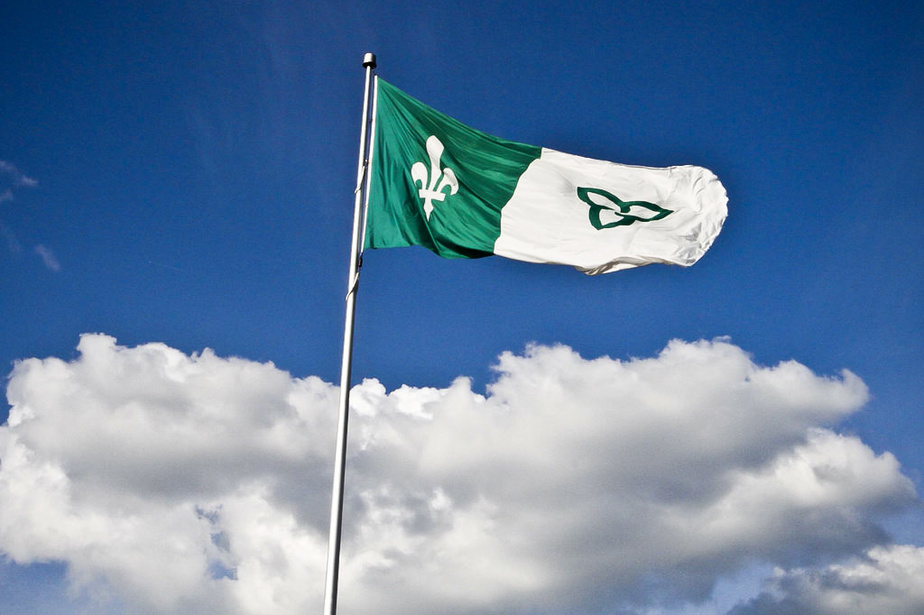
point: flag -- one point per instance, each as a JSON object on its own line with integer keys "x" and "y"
{"x": 461, "y": 193}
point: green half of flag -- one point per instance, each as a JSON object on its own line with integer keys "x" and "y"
{"x": 461, "y": 193}
{"x": 447, "y": 199}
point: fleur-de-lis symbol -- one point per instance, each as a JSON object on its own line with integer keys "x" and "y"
{"x": 439, "y": 179}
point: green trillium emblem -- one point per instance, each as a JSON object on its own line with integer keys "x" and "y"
{"x": 625, "y": 212}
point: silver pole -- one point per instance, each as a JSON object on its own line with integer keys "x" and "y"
{"x": 336, "y": 498}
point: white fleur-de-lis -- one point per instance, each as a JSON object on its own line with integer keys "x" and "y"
{"x": 439, "y": 179}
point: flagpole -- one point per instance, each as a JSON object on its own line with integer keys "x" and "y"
{"x": 336, "y": 500}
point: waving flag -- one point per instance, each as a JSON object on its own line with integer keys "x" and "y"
{"x": 462, "y": 193}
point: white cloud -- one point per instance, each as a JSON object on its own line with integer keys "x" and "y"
{"x": 200, "y": 484}
{"x": 11, "y": 179}
{"x": 48, "y": 257}
{"x": 15, "y": 176}
{"x": 886, "y": 579}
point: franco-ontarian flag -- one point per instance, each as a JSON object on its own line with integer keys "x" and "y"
{"x": 464, "y": 194}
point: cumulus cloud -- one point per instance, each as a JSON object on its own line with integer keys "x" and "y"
{"x": 886, "y": 579}
{"x": 200, "y": 484}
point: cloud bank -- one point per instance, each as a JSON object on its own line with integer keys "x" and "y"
{"x": 201, "y": 484}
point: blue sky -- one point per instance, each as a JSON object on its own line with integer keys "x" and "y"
{"x": 183, "y": 174}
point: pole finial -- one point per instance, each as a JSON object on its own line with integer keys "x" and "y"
{"x": 369, "y": 60}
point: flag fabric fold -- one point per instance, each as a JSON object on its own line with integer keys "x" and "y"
{"x": 461, "y": 193}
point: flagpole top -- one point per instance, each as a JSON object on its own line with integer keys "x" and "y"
{"x": 369, "y": 60}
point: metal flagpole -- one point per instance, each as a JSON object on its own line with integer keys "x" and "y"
{"x": 336, "y": 499}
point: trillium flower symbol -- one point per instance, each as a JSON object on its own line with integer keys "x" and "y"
{"x": 617, "y": 211}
